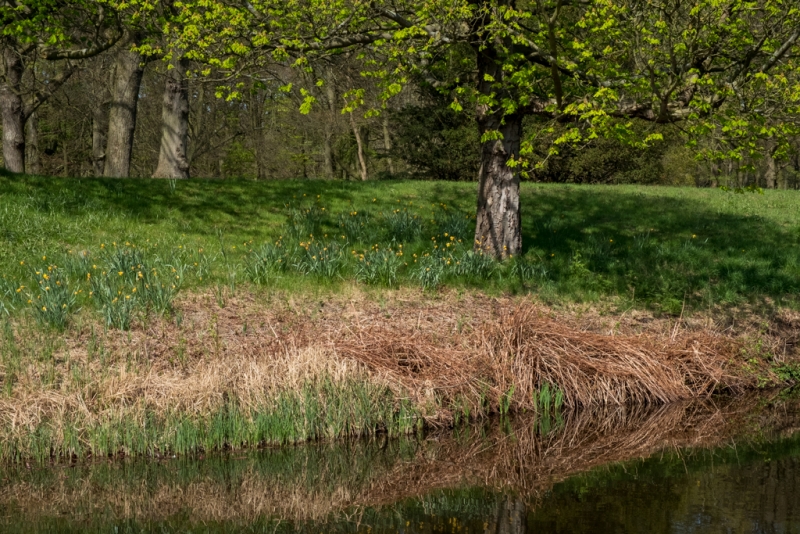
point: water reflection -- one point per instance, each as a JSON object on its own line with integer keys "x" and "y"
{"x": 712, "y": 466}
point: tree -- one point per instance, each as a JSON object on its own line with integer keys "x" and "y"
{"x": 173, "y": 157}
{"x": 36, "y": 31}
{"x": 582, "y": 63}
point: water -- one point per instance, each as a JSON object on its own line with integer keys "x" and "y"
{"x": 713, "y": 466}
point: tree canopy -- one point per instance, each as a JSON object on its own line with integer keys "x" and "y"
{"x": 724, "y": 66}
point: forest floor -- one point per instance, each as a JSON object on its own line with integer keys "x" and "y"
{"x": 146, "y": 316}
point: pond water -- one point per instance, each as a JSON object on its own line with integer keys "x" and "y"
{"x": 721, "y": 465}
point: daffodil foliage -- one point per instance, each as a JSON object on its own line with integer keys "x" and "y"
{"x": 726, "y": 68}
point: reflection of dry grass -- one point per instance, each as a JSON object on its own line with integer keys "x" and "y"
{"x": 520, "y": 460}
{"x": 444, "y": 354}
{"x": 527, "y": 462}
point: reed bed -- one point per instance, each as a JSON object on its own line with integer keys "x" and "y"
{"x": 255, "y": 373}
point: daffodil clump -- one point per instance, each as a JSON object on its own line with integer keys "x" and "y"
{"x": 53, "y": 299}
{"x": 117, "y": 280}
{"x": 373, "y": 248}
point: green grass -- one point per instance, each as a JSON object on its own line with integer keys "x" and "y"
{"x": 667, "y": 249}
{"x": 323, "y": 410}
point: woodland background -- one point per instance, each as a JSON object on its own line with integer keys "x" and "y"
{"x": 263, "y": 135}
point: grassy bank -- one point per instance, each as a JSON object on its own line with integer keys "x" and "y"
{"x": 665, "y": 249}
{"x": 149, "y": 317}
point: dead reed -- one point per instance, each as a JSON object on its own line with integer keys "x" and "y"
{"x": 259, "y": 372}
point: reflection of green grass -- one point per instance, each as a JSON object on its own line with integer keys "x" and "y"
{"x": 663, "y": 248}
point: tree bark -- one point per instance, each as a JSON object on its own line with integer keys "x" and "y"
{"x": 173, "y": 161}
{"x": 771, "y": 170}
{"x": 33, "y": 161}
{"x": 362, "y": 162}
{"x": 327, "y": 143}
{"x": 498, "y": 229}
{"x": 128, "y": 71}
{"x": 99, "y": 138}
{"x": 387, "y": 143}
{"x": 13, "y": 111}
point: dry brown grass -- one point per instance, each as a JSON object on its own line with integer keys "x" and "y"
{"x": 444, "y": 354}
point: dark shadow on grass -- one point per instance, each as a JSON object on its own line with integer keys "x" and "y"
{"x": 661, "y": 248}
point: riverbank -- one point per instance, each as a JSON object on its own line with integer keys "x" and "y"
{"x": 278, "y": 368}
{"x": 154, "y": 317}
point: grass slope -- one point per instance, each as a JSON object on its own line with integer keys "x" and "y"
{"x": 662, "y": 248}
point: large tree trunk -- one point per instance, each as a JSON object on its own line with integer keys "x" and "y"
{"x": 13, "y": 112}
{"x": 128, "y": 71}
{"x": 33, "y": 163}
{"x": 362, "y": 162}
{"x": 498, "y": 228}
{"x": 172, "y": 159}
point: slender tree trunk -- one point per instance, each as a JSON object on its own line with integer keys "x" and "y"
{"x": 128, "y": 71}
{"x": 327, "y": 143}
{"x": 257, "y": 108}
{"x": 304, "y": 157}
{"x": 65, "y": 154}
{"x": 33, "y": 161}
{"x": 327, "y": 152}
{"x": 387, "y": 142}
{"x": 715, "y": 172}
{"x": 771, "y": 170}
{"x": 172, "y": 159}
{"x": 362, "y": 162}
{"x": 13, "y": 112}
{"x": 99, "y": 138}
